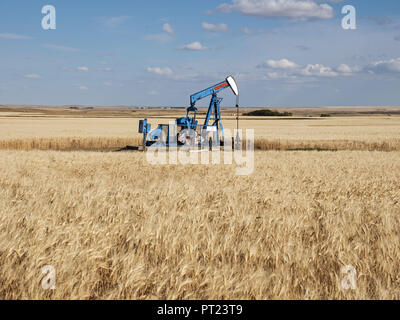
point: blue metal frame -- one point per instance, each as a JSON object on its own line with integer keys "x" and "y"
{"x": 214, "y": 114}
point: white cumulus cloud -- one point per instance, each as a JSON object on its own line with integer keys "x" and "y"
{"x": 386, "y": 66}
{"x": 347, "y": 70}
{"x": 194, "y": 46}
{"x": 284, "y": 68}
{"x": 294, "y": 9}
{"x": 318, "y": 70}
{"x": 280, "y": 64}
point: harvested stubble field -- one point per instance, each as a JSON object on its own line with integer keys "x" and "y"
{"x": 116, "y": 227}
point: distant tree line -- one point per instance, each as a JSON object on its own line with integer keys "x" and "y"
{"x": 268, "y": 113}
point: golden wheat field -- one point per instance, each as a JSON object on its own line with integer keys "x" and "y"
{"x": 116, "y": 227}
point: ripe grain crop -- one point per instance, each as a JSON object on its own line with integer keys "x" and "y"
{"x": 103, "y": 144}
{"x": 327, "y": 145}
{"x": 69, "y": 143}
{"x": 115, "y": 227}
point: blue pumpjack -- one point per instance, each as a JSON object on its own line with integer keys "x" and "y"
{"x": 185, "y": 129}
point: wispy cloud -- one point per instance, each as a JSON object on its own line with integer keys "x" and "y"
{"x": 162, "y": 37}
{"x": 61, "y": 48}
{"x": 247, "y": 31}
{"x": 168, "y": 29}
{"x": 82, "y": 69}
{"x": 115, "y": 21}
{"x": 160, "y": 71}
{"x": 159, "y": 37}
{"x": 153, "y": 93}
{"x": 222, "y": 27}
{"x": 32, "y": 76}
{"x": 303, "y": 47}
{"x": 381, "y": 21}
{"x": 13, "y": 36}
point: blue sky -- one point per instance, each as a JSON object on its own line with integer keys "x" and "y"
{"x": 157, "y": 53}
